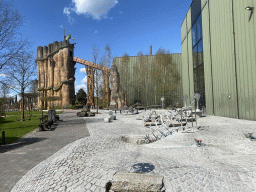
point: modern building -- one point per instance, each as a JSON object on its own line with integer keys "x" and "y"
{"x": 148, "y": 78}
{"x": 218, "y": 40}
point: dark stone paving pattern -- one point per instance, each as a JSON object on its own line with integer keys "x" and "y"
{"x": 18, "y": 158}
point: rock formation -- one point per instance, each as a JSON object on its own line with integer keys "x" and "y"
{"x": 116, "y": 100}
{"x": 56, "y": 73}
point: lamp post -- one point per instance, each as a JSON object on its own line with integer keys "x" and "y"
{"x": 41, "y": 101}
{"x": 185, "y": 97}
{"x": 162, "y": 99}
{"x": 197, "y": 97}
{"x": 251, "y": 10}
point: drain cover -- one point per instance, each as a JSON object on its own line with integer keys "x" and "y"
{"x": 143, "y": 167}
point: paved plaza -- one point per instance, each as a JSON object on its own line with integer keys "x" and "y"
{"x": 84, "y": 153}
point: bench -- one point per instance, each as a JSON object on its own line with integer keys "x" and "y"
{"x": 45, "y": 124}
{"x": 2, "y": 112}
{"x": 52, "y": 115}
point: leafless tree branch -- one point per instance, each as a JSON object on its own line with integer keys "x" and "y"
{"x": 11, "y": 41}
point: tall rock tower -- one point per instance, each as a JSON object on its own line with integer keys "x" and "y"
{"x": 116, "y": 100}
{"x": 56, "y": 74}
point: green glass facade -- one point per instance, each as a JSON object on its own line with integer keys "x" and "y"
{"x": 218, "y": 56}
{"x": 198, "y": 59}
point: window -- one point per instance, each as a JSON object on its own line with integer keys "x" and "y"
{"x": 198, "y": 59}
{"x": 199, "y": 30}
{"x": 200, "y": 52}
{"x": 195, "y": 62}
{"x": 200, "y": 72}
{"x": 194, "y": 39}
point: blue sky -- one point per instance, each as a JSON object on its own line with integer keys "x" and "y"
{"x": 127, "y": 26}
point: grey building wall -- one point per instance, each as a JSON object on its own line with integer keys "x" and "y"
{"x": 229, "y": 40}
{"x": 187, "y": 59}
{"x": 138, "y": 85}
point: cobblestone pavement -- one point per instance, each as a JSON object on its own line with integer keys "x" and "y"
{"x": 18, "y": 158}
{"x": 224, "y": 162}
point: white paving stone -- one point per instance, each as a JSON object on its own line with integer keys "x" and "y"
{"x": 224, "y": 162}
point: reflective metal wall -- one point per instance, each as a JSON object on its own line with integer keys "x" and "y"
{"x": 145, "y": 79}
{"x": 229, "y": 39}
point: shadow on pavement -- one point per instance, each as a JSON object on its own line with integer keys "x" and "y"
{"x": 20, "y": 143}
{"x": 94, "y": 120}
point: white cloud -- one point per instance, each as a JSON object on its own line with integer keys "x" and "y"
{"x": 121, "y": 12}
{"x": 110, "y": 18}
{"x": 96, "y": 9}
{"x": 82, "y": 86}
{"x": 82, "y": 70}
{"x": 2, "y": 75}
{"x": 13, "y": 86}
{"x": 61, "y": 26}
{"x": 84, "y": 80}
{"x": 96, "y": 31}
{"x": 67, "y": 12}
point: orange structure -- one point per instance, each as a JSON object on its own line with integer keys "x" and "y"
{"x": 90, "y": 80}
{"x": 56, "y": 76}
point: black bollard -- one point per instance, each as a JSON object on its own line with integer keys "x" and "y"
{"x": 195, "y": 117}
{"x": 192, "y": 116}
{"x": 181, "y": 120}
{"x": 3, "y": 137}
{"x": 120, "y": 111}
{"x": 115, "y": 111}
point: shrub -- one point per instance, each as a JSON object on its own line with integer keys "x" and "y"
{"x": 67, "y": 106}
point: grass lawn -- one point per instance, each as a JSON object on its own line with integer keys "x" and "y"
{"x": 16, "y": 129}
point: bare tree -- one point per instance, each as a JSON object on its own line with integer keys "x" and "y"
{"x": 11, "y": 41}
{"x": 125, "y": 78}
{"x": 165, "y": 76}
{"x": 142, "y": 68}
{"x": 4, "y": 90}
{"x": 95, "y": 56}
{"x": 106, "y": 60}
{"x": 33, "y": 85}
{"x": 23, "y": 69}
{"x": 108, "y": 56}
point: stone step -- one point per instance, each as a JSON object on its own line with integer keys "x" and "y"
{"x": 113, "y": 117}
{"x": 168, "y": 123}
{"x": 137, "y": 139}
{"x": 190, "y": 119}
{"x": 136, "y": 182}
{"x": 174, "y": 123}
{"x": 107, "y": 119}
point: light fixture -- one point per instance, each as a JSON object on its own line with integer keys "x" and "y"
{"x": 249, "y": 8}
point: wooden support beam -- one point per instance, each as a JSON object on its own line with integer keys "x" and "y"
{"x": 90, "y": 86}
{"x": 91, "y": 64}
{"x": 106, "y": 90}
